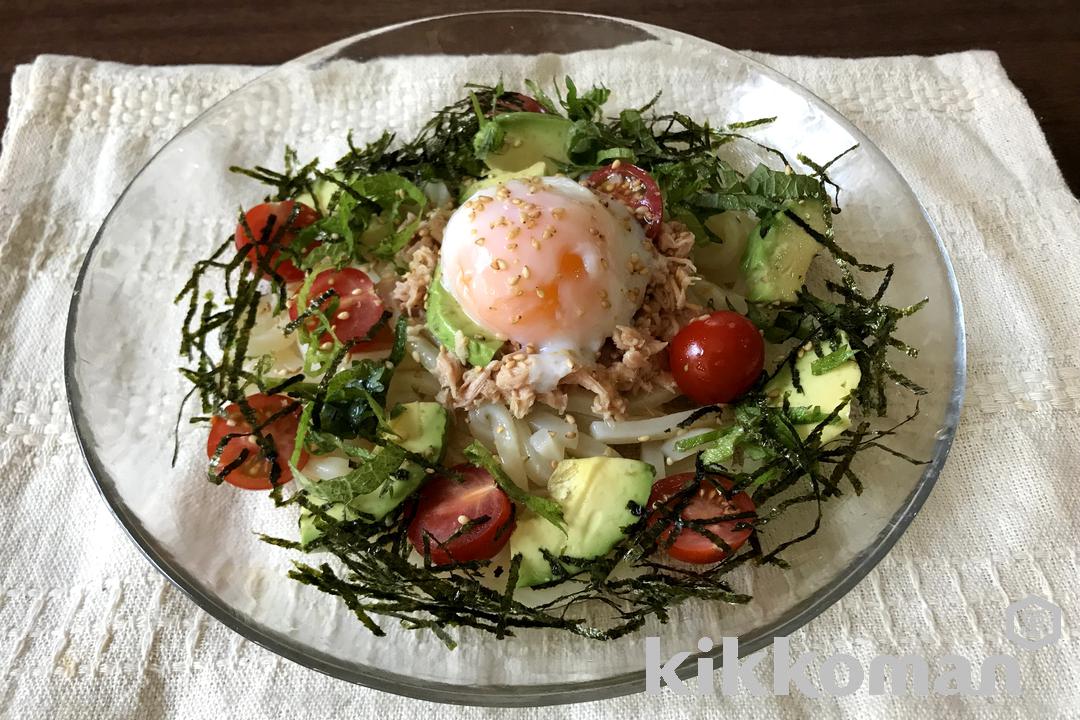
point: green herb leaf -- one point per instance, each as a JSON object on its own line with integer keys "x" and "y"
{"x": 368, "y": 477}
{"x": 397, "y": 198}
{"x": 723, "y": 449}
{"x": 807, "y": 415}
{"x": 351, "y": 405}
{"x": 319, "y": 442}
{"x": 781, "y": 185}
{"x": 541, "y": 97}
{"x": 489, "y": 139}
{"x": 582, "y": 138}
{"x": 833, "y": 360}
{"x": 618, "y": 153}
{"x": 586, "y": 106}
{"x": 550, "y": 510}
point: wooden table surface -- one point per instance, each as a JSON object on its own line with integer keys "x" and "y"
{"x": 1038, "y": 40}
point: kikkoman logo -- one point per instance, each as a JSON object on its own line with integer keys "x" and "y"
{"x": 1030, "y": 624}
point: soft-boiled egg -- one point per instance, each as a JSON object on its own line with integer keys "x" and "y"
{"x": 545, "y": 262}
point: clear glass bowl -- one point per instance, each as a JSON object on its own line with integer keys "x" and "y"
{"x": 121, "y": 353}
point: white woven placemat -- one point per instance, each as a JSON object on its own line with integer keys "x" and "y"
{"x": 89, "y": 629}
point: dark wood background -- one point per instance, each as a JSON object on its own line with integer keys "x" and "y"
{"x": 1038, "y": 40}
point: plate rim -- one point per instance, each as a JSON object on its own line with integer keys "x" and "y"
{"x": 550, "y": 693}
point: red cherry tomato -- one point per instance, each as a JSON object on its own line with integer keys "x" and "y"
{"x": 254, "y": 473}
{"x": 352, "y": 312}
{"x": 718, "y": 358}
{"x": 445, "y": 505}
{"x": 518, "y": 102}
{"x": 634, "y": 188}
{"x": 707, "y": 502}
{"x": 265, "y": 223}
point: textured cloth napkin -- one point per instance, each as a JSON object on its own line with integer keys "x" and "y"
{"x": 89, "y": 629}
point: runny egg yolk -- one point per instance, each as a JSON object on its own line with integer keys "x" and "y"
{"x": 545, "y": 262}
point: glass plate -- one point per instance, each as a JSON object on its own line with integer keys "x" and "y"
{"x": 121, "y": 350}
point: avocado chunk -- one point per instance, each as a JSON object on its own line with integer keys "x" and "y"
{"x": 324, "y": 191}
{"x": 719, "y": 260}
{"x": 445, "y": 319}
{"x": 779, "y": 252}
{"x": 821, "y": 393}
{"x": 531, "y": 537}
{"x": 309, "y": 531}
{"x": 601, "y": 498}
{"x": 421, "y": 428}
{"x": 495, "y": 177}
{"x": 529, "y": 138}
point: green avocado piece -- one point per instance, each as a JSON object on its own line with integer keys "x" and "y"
{"x": 446, "y": 319}
{"x": 820, "y": 395}
{"x": 496, "y": 177}
{"x": 421, "y": 428}
{"x": 323, "y": 193}
{"x": 531, "y": 537}
{"x": 529, "y": 138}
{"x": 719, "y": 261}
{"x": 779, "y": 252}
{"x": 600, "y": 498}
{"x": 309, "y": 531}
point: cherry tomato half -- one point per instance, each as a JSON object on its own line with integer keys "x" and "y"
{"x": 707, "y": 502}
{"x": 254, "y": 473}
{"x": 718, "y": 358}
{"x": 352, "y": 313}
{"x": 265, "y": 223}
{"x": 518, "y": 102}
{"x": 445, "y": 505}
{"x": 634, "y": 188}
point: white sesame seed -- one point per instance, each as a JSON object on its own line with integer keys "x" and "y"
{"x": 462, "y": 519}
